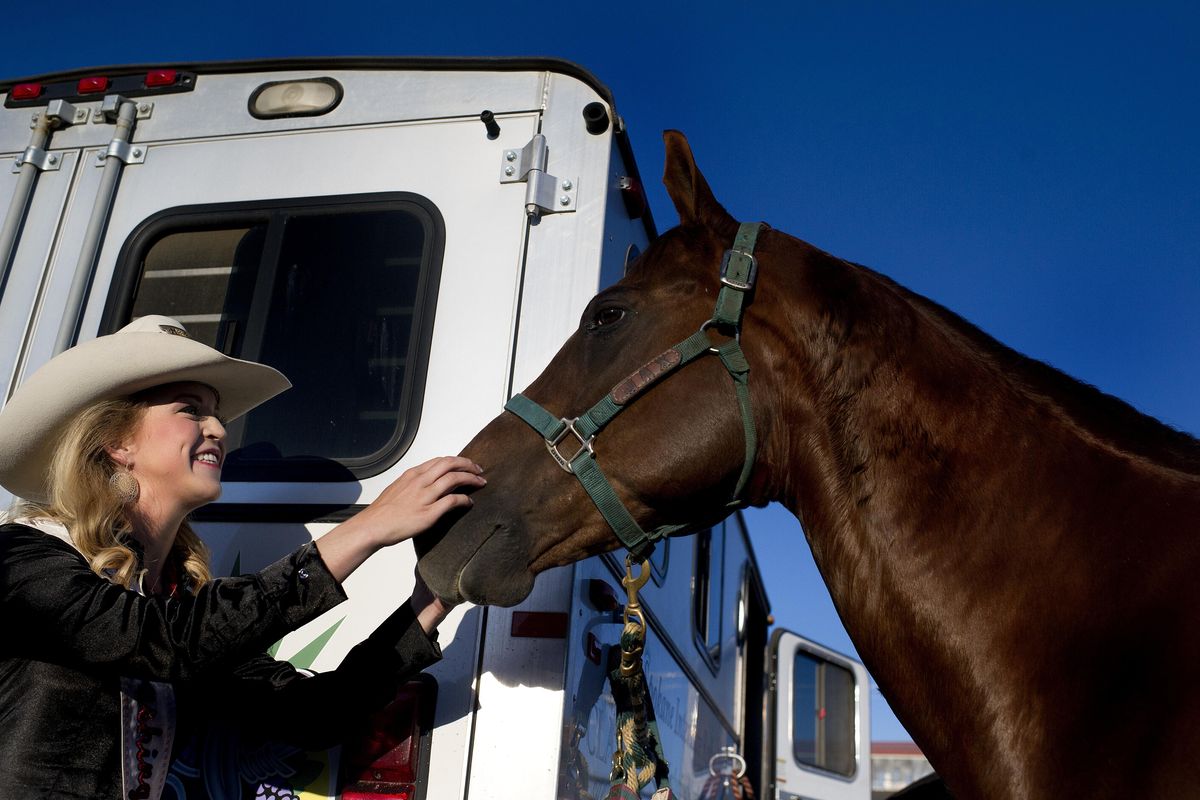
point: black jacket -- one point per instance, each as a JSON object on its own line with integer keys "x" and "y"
{"x": 67, "y": 636}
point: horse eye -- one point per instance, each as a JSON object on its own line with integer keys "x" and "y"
{"x": 608, "y": 316}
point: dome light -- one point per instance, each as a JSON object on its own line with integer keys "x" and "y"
{"x": 305, "y": 98}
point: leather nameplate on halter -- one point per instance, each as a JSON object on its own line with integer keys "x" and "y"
{"x": 646, "y": 374}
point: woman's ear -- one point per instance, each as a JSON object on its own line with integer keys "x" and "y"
{"x": 122, "y": 456}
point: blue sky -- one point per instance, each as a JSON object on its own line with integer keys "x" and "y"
{"x": 1033, "y": 167}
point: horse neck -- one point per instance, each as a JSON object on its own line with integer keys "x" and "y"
{"x": 944, "y": 501}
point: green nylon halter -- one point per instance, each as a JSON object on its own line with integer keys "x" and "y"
{"x": 739, "y": 270}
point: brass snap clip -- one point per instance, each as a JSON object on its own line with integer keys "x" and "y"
{"x": 632, "y": 583}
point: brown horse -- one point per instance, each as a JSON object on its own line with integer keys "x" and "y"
{"x": 1014, "y": 554}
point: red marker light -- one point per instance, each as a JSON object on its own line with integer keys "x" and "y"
{"x": 25, "y": 91}
{"x": 539, "y": 625}
{"x": 160, "y": 77}
{"x": 92, "y": 85}
{"x": 634, "y": 196}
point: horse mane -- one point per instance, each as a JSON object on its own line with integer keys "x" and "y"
{"x": 1104, "y": 417}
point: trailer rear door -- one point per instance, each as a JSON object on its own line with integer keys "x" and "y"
{"x": 257, "y": 234}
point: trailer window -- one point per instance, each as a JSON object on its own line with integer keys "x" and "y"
{"x": 659, "y": 560}
{"x": 823, "y": 715}
{"x": 707, "y": 590}
{"x": 338, "y": 294}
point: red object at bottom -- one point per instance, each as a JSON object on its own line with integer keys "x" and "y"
{"x": 390, "y": 791}
{"x": 384, "y": 762}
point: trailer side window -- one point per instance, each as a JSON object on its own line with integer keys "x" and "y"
{"x": 336, "y": 293}
{"x": 707, "y": 589}
{"x": 823, "y": 715}
{"x": 659, "y": 560}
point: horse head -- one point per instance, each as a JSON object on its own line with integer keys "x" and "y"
{"x": 673, "y": 457}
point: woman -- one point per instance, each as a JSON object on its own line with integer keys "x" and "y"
{"x": 116, "y": 640}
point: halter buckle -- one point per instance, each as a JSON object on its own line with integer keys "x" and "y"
{"x": 584, "y": 444}
{"x": 743, "y": 265}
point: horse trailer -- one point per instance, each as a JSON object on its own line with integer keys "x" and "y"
{"x": 409, "y": 241}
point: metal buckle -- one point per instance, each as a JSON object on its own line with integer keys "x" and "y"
{"x": 734, "y": 284}
{"x": 584, "y": 444}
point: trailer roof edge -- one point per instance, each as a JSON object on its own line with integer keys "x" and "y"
{"x": 440, "y": 63}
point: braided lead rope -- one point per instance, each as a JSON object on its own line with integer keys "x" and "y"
{"x": 638, "y": 759}
{"x": 639, "y": 756}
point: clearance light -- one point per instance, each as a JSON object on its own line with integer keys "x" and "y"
{"x": 634, "y": 196}
{"x": 25, "y": 91}
{"x": 160, "y": 77}
{"x": 92, "y": 85}
{"x": 308, "y": 98}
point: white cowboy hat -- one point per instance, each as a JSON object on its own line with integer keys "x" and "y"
{"x": 148, "y": 352}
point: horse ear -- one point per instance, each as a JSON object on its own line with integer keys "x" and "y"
{"x": 688, "y": 190}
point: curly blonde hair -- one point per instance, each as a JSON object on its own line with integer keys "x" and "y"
{"x": 80, "y": 497}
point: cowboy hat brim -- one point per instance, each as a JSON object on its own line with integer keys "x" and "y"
{"x": 150, "y": 352}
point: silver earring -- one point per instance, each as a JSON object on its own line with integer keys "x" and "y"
{"x": 124, "y": 486}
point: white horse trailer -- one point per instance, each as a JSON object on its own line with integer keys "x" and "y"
{"x": 409, "y": 241}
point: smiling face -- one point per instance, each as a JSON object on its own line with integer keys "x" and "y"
{"x": 177, "y": 449}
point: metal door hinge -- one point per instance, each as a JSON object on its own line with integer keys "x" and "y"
{"x": 544, "y": 193}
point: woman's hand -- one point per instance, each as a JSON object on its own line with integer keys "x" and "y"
{"x": 429, "y": 608}
{"x": 409, "y": 506}
{"x": 419, "y": 498}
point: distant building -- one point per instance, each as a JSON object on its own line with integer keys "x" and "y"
{"x": 895, "y": 765}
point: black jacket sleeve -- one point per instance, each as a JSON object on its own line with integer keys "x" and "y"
{"x": 54, "y": 608}
{"x": 270, "y": 699}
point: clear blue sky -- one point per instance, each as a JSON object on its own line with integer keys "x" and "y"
{"x": 1035, "y": 167}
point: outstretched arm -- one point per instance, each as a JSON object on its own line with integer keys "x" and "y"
{"x": 54, "y": 608}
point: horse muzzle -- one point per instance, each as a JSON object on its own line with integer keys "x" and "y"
{"x": 480, "y": 559}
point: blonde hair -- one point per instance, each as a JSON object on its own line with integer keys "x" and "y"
{"x": 81, "y": 497}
